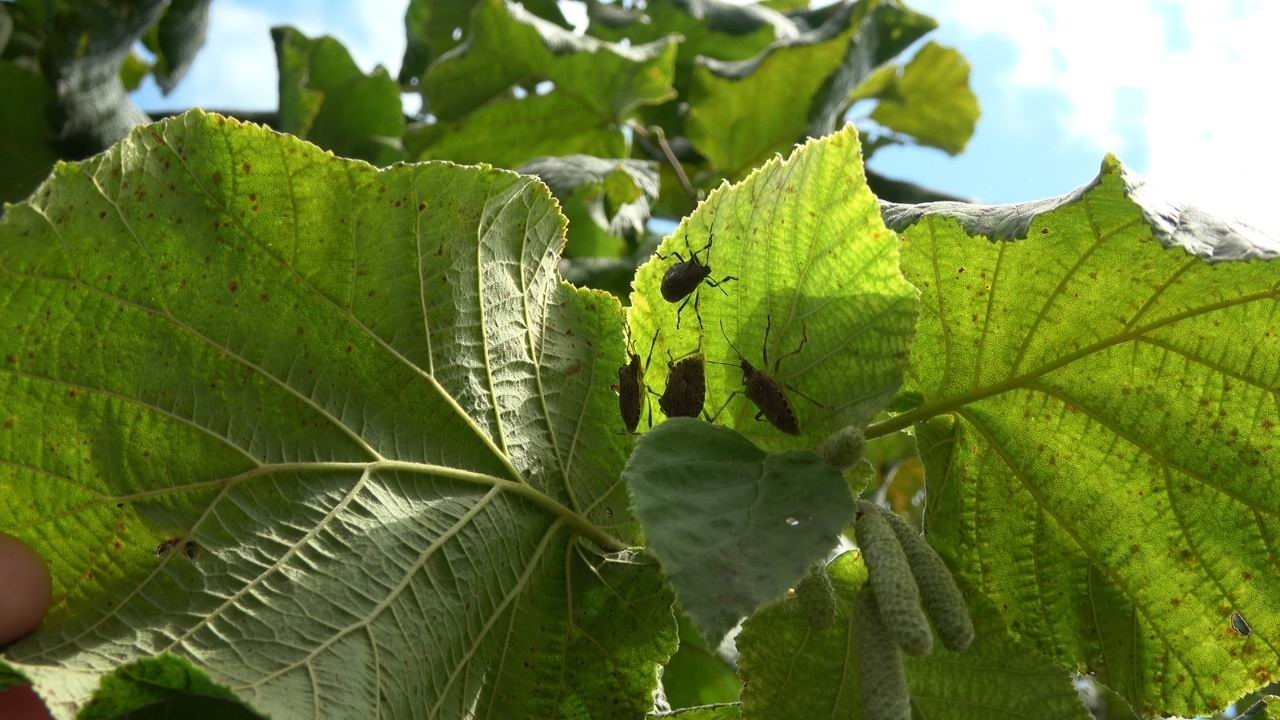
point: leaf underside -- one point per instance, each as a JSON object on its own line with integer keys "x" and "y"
{"x": 332, "y": 433}
{"x": 1112, "y": 481}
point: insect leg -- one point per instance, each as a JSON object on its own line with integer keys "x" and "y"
{"x": 681, "y": 309}
{"x": 732, "y": 395}
{"x": 721, "y": 281}
{"x": 806, "y": 397}
{"x": 804, "y": 338}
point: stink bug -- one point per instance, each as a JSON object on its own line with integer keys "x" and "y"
{"x": 686, "y": 389}
{"x": 682, "y": 280}
{"x": 762, "y": 389}
{"x": 630, "y": 387}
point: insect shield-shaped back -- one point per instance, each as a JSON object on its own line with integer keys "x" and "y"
{"x": 630, "y": 387}
{"x": 681, "y": 281}
{"x": 686, "y": 390}
{"x": 763, "y": 389}
{"x": 768, "y": 396}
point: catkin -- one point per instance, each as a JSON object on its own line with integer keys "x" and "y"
{"x": 817, "y": 598}
{"x": 843, "y": 448}
{"x": 891, "y": 580}
{"x": 882, "y": 675}
{"x": 938, "y": 592}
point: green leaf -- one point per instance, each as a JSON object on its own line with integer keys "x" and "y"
{"x": 887, "y": 29}
{"x": 326, "y": 99}
{"x": 25, "y": 135}
{"x": 339, "y": 436}
{"x": 791, "y": 670}
{"x": 485, "y": 111}
{"x": 726, "y": 121}
{"x": 510, "y": 132}
{"x": 432, "y": 28}
{"x": 805, "y": 238}
{"x": 696, "y": 675}
{"x": 1113, "y": 480}
{"x": 808, "y": 79}
{"x": 11, "y": 677}
{"x": 509, "y": 45}
{"x": 607, "y": 201}
{"x": 163, "y": 687}
{"x": 176, "y": 39}
{"x": 134, "y": 70}
{"x": 707, "y": 28}
{"x": 932, "y": 101}
{"x": 732, "y": 525}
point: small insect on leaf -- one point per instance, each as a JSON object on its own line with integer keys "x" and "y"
{"x": 631, "y": 386}
{"x": 167, "y": 546}
{"x": 191, "y": 549}
{"x": 686, "y": 390}
{"x": 762, "y": 389}
{"x": 682, "y": 280}
{"x": 1240, "y": 626}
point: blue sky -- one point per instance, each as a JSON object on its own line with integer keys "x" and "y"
{"x": 1183, "y": 92}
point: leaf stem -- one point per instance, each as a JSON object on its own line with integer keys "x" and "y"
{"x": 579, "y": 523}
{"x": 656, "y": 133}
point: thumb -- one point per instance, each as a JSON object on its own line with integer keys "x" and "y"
{"x": 25, "y": 589}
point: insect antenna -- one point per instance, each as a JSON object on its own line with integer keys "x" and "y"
{"x": 725, "y": 335}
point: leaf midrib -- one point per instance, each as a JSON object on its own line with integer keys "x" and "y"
{"x": 1019, "y": 382}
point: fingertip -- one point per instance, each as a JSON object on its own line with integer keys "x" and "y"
{"x": 26, "y": 589}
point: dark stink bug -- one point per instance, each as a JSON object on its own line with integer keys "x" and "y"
{"x": 631, "y": 387}
{"x": 763, "y": 389}
{"x": 682, "y": 280}
{"x": 686, "y": 389}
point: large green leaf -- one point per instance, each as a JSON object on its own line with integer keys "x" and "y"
{"x": 931, "y": 100}
{"x": 1113, "y": 481}
{"x": 793, "y": 670}
{"x": 733, "y": 526}
{"x": 339, "y": 436}
{"x": 325, "y": 98}
{"x": 805, "y": 238}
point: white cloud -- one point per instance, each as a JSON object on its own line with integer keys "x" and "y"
{"x": 1182, "y": 89}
